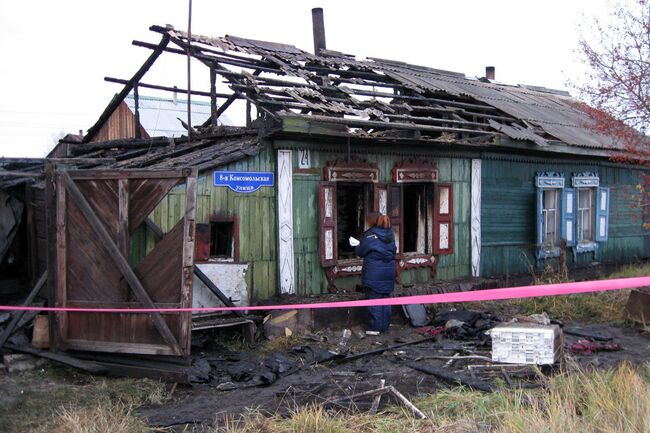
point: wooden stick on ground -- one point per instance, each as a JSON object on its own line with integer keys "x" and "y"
{"x": 406, "y": 403}
{"x": 377, "y": 400}
{"x": 379, "y": 392}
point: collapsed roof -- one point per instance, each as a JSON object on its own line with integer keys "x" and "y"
{"x": 376, "y": 97}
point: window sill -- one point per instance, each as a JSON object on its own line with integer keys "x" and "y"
{"x": 548, "y": 252}
{"x": 217, "y": 260}
{"x": 586, "y": 247}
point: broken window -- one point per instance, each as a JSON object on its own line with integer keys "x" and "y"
{"x": 222, "y": 239}
{"x": 417, "y": 218}
{"x": 351, "y": 209}
{"x": 216, "y": 240}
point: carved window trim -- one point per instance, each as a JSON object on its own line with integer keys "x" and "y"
{"x": 355, "y": 170}
{"x": 415, "y": 171}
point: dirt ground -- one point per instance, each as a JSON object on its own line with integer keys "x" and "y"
{"x": 205, "y": 403}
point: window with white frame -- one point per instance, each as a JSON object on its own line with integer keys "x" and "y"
{"x": 549, "y": 192}
{"x": 585, "y": 214}
{"x": 550, "y": 217}
{"x": 578, "y": 216}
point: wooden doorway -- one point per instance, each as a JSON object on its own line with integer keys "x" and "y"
{"x": 96, "y": 212}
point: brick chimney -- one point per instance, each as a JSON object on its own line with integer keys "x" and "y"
{"x": 319, "y": 30}
{"x": 490, "y": 73}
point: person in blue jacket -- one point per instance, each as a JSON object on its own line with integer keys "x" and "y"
{"x": 378, "y": 250}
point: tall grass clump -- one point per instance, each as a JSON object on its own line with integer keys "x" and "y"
{"x": 104, "y": 417}
{"x": 613, "y": 401}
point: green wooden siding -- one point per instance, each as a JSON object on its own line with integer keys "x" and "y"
{"x": 310, "y": 277}
{"x": 255, "y": 213}
{"x": 508, "y": 214}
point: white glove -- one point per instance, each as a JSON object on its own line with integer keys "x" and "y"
{"x": 353, "y": 242}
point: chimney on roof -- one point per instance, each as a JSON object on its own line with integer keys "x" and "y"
{"x": 319, "y": 30}
{"x": 490, "y": 73}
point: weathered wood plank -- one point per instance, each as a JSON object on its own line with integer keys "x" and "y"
{"x": 189, "y": 234}
{"x": 50, "y": 211}
{"x": 160, "y": 268}
{"x": 61, "y": 252}
{"x": 120, "y": 261}
{"x": 147, "y": 193}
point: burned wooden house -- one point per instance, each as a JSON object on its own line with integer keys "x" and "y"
{"x": 479, "y": 179}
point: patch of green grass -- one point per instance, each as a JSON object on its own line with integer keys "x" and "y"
{"x": 594, "y": 307}
{"x": 642, "y": 270}
{"x": 35, "y": 397}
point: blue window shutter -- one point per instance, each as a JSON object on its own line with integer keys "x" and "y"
{"x": 540, "y": 219}
{"x": 602, "y": 214}
{"x": 568, "y": 229}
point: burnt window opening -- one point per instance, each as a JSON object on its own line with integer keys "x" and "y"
{"x": 222, "y": 239}
{"x": 417, "y": 217}
{"x": 352, "y": 201}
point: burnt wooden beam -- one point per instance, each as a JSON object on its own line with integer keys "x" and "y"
{"x": 434, "y": 120}
{"x": 213, "y": 96}
{"x": 117, "y": 99}
{"x": 16, "y": 173}
{"x": 41, "y": 161}
{"x": 136, "y": 100}
{"x": 124, "y": 143}
{"x": 452, "y": 378}
{"x": 221, "y": 58}
{"x": 17, "y": 315}
{"x": 127, "y": 174}
{"x": 383, "y": 125}
{"x": 157, "y": 231}
{"x": 204, "y": 49}
{"x": 60, "y": 358}
{"x": 214, "y": 289}
{"x": 218, "y": 67}
{"x": 231, "y": 98}
{"x": 166, "y": 88}
{"x": 120, "y": 262}
{"x": 378, "y": 351}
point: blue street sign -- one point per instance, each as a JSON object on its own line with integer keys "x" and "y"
{"x": 243, "y": 181}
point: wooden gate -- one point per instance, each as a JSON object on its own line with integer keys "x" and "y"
{"x": 96, "y": 213}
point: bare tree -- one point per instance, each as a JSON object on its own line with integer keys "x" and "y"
{"x": 617, "y": 86}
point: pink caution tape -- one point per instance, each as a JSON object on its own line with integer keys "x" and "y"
{"x": 478, "y": 295}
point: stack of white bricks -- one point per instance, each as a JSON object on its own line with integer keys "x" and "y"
{"x": 526, "y": 343}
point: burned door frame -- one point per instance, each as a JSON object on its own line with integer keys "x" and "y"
{"x": 104, "y": 207}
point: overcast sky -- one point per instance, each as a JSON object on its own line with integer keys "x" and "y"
{"x": 54, "y": 55}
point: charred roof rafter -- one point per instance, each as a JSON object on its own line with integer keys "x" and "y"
{"x": 376, "y": 96}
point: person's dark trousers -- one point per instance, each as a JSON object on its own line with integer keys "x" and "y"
{"x": 379, "y": 315}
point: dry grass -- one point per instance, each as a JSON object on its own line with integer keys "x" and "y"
{"x": 104, "y": 417}
{"x": 43, "y": 400}
{"x": 614, "y": 401}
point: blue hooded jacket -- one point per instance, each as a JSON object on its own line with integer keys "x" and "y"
{"x": 378, "y": 249}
